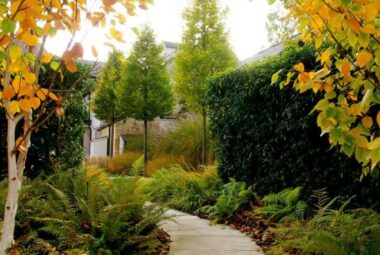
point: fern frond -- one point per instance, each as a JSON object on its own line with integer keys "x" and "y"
{"x": 137, "y": 167}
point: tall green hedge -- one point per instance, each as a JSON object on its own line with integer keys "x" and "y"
{"x": 265, "y": 135}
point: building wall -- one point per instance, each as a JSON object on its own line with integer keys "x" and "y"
{"x": 134, "y": 127}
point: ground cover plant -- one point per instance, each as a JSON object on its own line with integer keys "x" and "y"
{"x": 85, "y": 211}
{"x": 331, "y": 229}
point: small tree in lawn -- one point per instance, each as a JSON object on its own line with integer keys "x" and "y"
{"x": 104, "y": 101}
{"x": 145, "y": 92}
{"x": 204, "y": 51}
{"x": 25, "y": 27}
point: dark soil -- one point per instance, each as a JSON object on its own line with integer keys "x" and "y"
{"x": 254, "y": 226}
{"x": 164, "y": 238}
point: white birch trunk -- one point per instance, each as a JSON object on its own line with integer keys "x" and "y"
{"x": 16, "y": 166}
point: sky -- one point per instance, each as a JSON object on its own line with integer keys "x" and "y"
{"x": 245, "y": 23}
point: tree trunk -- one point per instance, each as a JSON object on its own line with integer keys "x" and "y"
{"x": 204, "y": 136}
{"x": 16, "y": 168}
{"x": 145, "y": 144}
{"x": 112, "y": 134}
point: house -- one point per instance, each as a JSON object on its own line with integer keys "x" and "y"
{"x": 271, "y": 51}
{"x": 97, "y": 140}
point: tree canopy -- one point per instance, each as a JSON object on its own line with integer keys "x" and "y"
{"x": 104, "y": 101}
{"x": 145, "y": 91}
{"x": 204, "y": 51}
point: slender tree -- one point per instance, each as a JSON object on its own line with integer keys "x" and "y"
{"x": 145, "y": 92}
{"x": 204, "y": 51}
{"x": 104, "y": 102}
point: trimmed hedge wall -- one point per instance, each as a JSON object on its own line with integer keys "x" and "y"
{"x": 265, "y": 136}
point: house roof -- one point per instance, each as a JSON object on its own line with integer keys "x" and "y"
{"x": 170, "y": 45}
{"x": 271, "y": 51}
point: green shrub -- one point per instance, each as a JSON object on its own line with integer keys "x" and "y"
{"x": 265, "y": 136}
{"x": 332, "y": 232}
{"x": 84, "y": 210}
{"x": 184, "y": 190}
{"x": 285, "y": 205}
{"x": 121, "y": 164}
{"x": 234, "y": 196}
{"x": 185, "y": 141}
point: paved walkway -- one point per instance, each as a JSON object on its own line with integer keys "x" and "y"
{"x": 191, "y": 235}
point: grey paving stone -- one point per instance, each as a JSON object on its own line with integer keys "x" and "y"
{"x": 194, "y": 236}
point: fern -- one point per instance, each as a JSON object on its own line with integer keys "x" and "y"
{"x": 84, "y": 211}
{"x": 137, "y": 167}
{"x": 332, "y": 232}
{"x": 285, "y": 205}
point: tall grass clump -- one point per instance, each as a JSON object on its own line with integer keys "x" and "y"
{"x": 122, "y": 163}
{"x": 185, "y": 141}
{"x": 185, "y": 190}
{"x": 87, "y": 212}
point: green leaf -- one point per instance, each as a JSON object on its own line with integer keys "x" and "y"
{"x": 54, "y": 65}
{"x": 136, "y": 31}
{"x": 348, "y": 150}
{"x": 276, "y": 76}
{"x": 346, "y": 2}
{"x": 8, "y": 26}
{"x": 364, "y": 39}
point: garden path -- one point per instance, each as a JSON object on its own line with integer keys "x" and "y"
{"x": 192, "y": 235}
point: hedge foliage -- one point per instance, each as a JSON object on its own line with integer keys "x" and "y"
{"x": 265, "y": 135}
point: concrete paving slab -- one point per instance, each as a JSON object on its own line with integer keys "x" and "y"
{"x": 192, "y": 235}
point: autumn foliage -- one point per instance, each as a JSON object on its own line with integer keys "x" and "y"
{"x": 346, "y": 35}
{"x": 25, "y": 26}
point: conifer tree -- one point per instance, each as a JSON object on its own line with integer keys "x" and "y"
{"x": 204, "y": 52}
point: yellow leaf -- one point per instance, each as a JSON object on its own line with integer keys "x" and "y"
{"x": 35, "y": 102}
{"x": 42, "y": 93}
{"x": 109, "y": 2}
{"x": 59, "y": 111}
{"x": 30, "y": 77}
{"x": 94, "y": 51}
{"x": 14, "y": 107}
{"x": 8, "y": 93}
{"x": 345, "y": 68}
{"x": 53, "y": 96}
{"x": 46, "y": 58}
{"x": 25, "y": 105}
{"x": 117, "y": 35}
{"x": 367, "y": 122}
{"x": 354, "y": 24}
{"x": 15, "y": 53}
{"x": 378, "y": 119}
{"x": 25, "y": 90}
{"x": 363, "y": 58}
{"x": 299, "y": 67}
{"x": 57, "y": 4}
{"x": 370, "y": 12}
{"x": 317, "y": 86}
{"x": 16, "y": 84}
{"x": 325, "y": 56}
{"x": 369, "y": 28}
{"x": 29, "y": 39}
